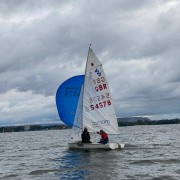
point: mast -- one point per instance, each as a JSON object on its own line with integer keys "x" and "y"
{"x": 83, "y": 89}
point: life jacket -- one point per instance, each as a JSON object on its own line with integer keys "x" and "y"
{"x": 104, "y": 136}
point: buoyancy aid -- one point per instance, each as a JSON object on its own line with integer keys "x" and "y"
{"x": 104, "y": 136}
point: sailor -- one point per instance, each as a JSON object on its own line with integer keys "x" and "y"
{"x": 85, "y": 136}
{"x": 104, "y": 137}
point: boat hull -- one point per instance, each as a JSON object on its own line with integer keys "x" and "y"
{"x": 89, "y": 146}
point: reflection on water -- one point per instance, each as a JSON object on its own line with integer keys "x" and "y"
{"x": 74, "y": 165}
{"x": 94, "y": 164}
{"x": 151, "y": 152}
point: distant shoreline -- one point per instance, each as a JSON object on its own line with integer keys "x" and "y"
{"x": 148, "y": 122}
{"x": 121, "y": 122}
{"x": 32, "y": 128}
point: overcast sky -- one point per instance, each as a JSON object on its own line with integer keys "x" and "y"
{"x": 44, "y": 42}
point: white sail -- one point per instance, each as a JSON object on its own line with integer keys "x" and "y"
{"x": 78, "y": 116}
{"x": 98, "y": 110}
{"x": 77, "y": 125}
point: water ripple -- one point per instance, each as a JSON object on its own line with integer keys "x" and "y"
{"x": 151, "y": 152}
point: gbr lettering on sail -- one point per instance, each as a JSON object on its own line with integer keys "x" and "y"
{"x": 101, "y": 98}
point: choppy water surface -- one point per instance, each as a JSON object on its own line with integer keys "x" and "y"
{"x": 151, "y": 152}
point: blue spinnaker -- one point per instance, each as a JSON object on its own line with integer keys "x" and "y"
{"x": 67, "y": 97}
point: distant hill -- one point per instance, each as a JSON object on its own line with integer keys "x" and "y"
{"x": 134, "y": 119}
{"x": 131, "y": 121}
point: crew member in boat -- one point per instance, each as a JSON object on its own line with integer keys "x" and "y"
{"x": 104, "y": 137}
{"x": 85, "y": 136}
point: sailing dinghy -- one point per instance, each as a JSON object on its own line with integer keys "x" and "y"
{"x": 85, "y": 101}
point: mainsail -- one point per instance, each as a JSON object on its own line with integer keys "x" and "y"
{"x": 98, "y": 110}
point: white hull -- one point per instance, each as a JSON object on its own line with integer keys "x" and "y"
{"x": 89, "y": 146}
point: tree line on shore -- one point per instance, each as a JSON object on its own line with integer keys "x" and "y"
{"x": 140, "y": 121}
{"x": 155, "y": 122}
{"x": 32, "y": 128}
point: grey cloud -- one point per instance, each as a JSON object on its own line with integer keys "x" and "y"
{"x": 43, "y": 43}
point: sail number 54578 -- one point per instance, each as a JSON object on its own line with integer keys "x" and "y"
{"x": 100, "y": 105}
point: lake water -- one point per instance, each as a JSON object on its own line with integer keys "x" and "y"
{"x": 151, "y": 152}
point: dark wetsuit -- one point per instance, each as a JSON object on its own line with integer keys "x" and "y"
{"x": 85, "y": 137}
